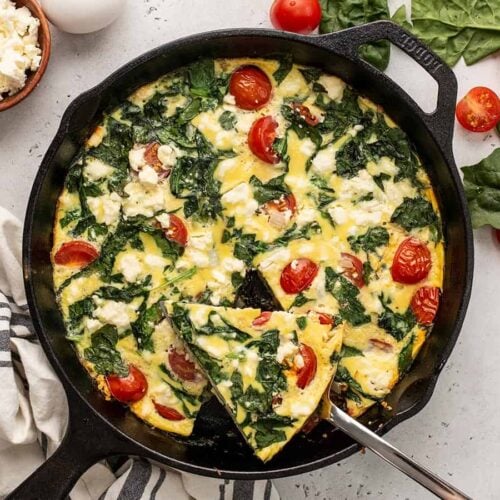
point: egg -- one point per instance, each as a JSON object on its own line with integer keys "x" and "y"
{"x": 75, "y": 16}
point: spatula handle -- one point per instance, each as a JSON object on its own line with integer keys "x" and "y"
{"x": 398, "y": 459}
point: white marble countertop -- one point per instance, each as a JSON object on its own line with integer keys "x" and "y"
{"x": 458, "y": 433}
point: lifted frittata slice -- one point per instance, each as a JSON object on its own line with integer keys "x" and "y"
{"x": 270, "y": 369}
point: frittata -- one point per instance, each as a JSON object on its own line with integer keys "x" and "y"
{"x": 231, "y": 165}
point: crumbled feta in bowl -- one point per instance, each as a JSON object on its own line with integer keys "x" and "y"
{"x": 20, "y": 50}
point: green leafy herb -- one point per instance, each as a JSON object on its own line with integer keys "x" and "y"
{"x": 269, "y": 429}
{"x": 209, "y": 364}
{"x": 340, "y": 14}
{"x": 369, "y": 242}
{"x": 349, "y": 352}
{"x": 125, "y": 294}
{"x": 236, "y": 279}
{"x": 355, "y": 389}
{"x": 144, "y": 326}
{"x": 414, "y": 213}
{"x": 397, "y": 324}
{"x": 247, "y": 247}
{"x": 69, "y": 217}
{"x": 272, "y": 190}
{"x": 380, "y": 178}
{"x": 301, "y": 322}
{"x": 351, "y": 159}
{"x": 405, "y": 357}
{"x": 201, "y": 76}
{"x": 482, "y": 187}
{"x": 227, "y": 120}
{"x": 77, "y": 311}
{"x": 103, "y": 353}
{"x": 310, "y": 74}
{"x": 351, "y": 309}
{"x": 299, "y": 300}
{"x": 299, "y": 125}
{"x": 285, "y": 66}
{"x": 455, "y": 29}
{"x": 226, "y": 331}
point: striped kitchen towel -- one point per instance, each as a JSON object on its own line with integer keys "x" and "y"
{"x": 33, "y": 411}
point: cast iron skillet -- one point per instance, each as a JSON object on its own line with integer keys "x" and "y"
{"x": 98, "y": 428}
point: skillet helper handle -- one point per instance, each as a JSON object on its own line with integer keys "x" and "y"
{"x": 86, "y": 442}
{"x": 442, "y": 120}
{"x": 395, "y": 457}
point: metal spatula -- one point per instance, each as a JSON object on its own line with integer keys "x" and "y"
{"x": 389, "y": 453}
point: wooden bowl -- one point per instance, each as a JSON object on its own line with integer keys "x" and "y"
{"x": 44, "y": 41}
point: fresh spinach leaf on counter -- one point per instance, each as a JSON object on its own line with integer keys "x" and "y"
{"x": 103, "y": 353}
{"x": 351, "y": 309}
{"x": 272, "y": 190}
{"x": 415, "y": 213}
{"x": 340, "y": 14}
{"x": 369, "y": 241}
{"x": 455, "y": 29}
{"x": 482, "y": 188}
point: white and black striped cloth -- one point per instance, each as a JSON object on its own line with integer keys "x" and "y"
{"x": 33, "y": 412}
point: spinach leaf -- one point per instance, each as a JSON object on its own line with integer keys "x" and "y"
{"x": 301, "y": 322}
{"x": 369, "y": 241}
{"x": 268, "y": 429}
{"x": 226, "y": 331}
{"x": 355, "y": 389}
{"x": 69, "y": 217}
{"x": 380, "y": 178}
{"x": 272, "y": 190}
{"x": 482, "y": 188}
{"x": 455, "y": 29}
{"x": 201, "y": 75}
{"x": 295, "y": 233}
{"x": 414, "y": 213}
{"x": 285, "y": 66}
{"x": 103, "y": 353}
{"x": 193, "y": 179}
{"x": 405, "y": 357}
{"x": 351, "y": 158}
{"x": 340, "y": 14}
{"x": 77, "y": 311}
{"x": 247, "y": 247}
{"x": 125, "y": 294}
{"x": 182, "y": 323}
{"x": 227, "y": 120}
{"x": 236, "y": 279}
{"x": 310, "y": 74}
{"x": 351, "y": 309}
{"x": 268, "y": 343}
{"x": 210, "y": 365}
{"x": 349, "y": 352}
{"x": 397, "y": 324}
{"x": 299, "y": 125}
{"x": 300, "y": 300}
{"x": 144, "y": 326}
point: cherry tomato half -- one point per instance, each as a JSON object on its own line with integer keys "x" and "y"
{"x": 261, "y": 139}
{"x": 353, "y": 269}
{"x": 412, "y": 262}
{"x": 307, "y": 371}
{"x": 176, "y": 231}
{"x": 298, "y": 275}
{"x": 325, "y": 319}
{"x": 299, "y": 16}
{"x": 151, "y": 155}
{"x": 305, "y": 113}
{"x": 425, "y": 303}
{"x": 130, "y": 388}
{"x": 282, "y": 204}
{"x": 250, "y": 87}
{"x": 479, "y": 110}
{"x": 76, "y": 254}
{"x": 182, "y": 366}
{"x": 264, "y": 317}
{"x": 168, "y": 413}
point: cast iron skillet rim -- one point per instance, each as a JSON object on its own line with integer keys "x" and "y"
{"x": 316, "y": 41}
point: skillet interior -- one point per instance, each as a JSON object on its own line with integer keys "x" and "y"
{"x": 215, "y": 448}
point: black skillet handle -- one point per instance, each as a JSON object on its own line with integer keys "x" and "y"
{"x": 87, "y": 440}
{"x": 441, "y": 121}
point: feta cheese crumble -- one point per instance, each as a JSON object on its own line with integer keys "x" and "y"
{"x": 19, "y": 49}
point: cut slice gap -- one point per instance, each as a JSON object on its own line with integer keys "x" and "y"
{"x": 270, "y": 371}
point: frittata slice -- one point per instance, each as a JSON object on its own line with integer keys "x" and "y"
{"x": 270, "y": 369}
